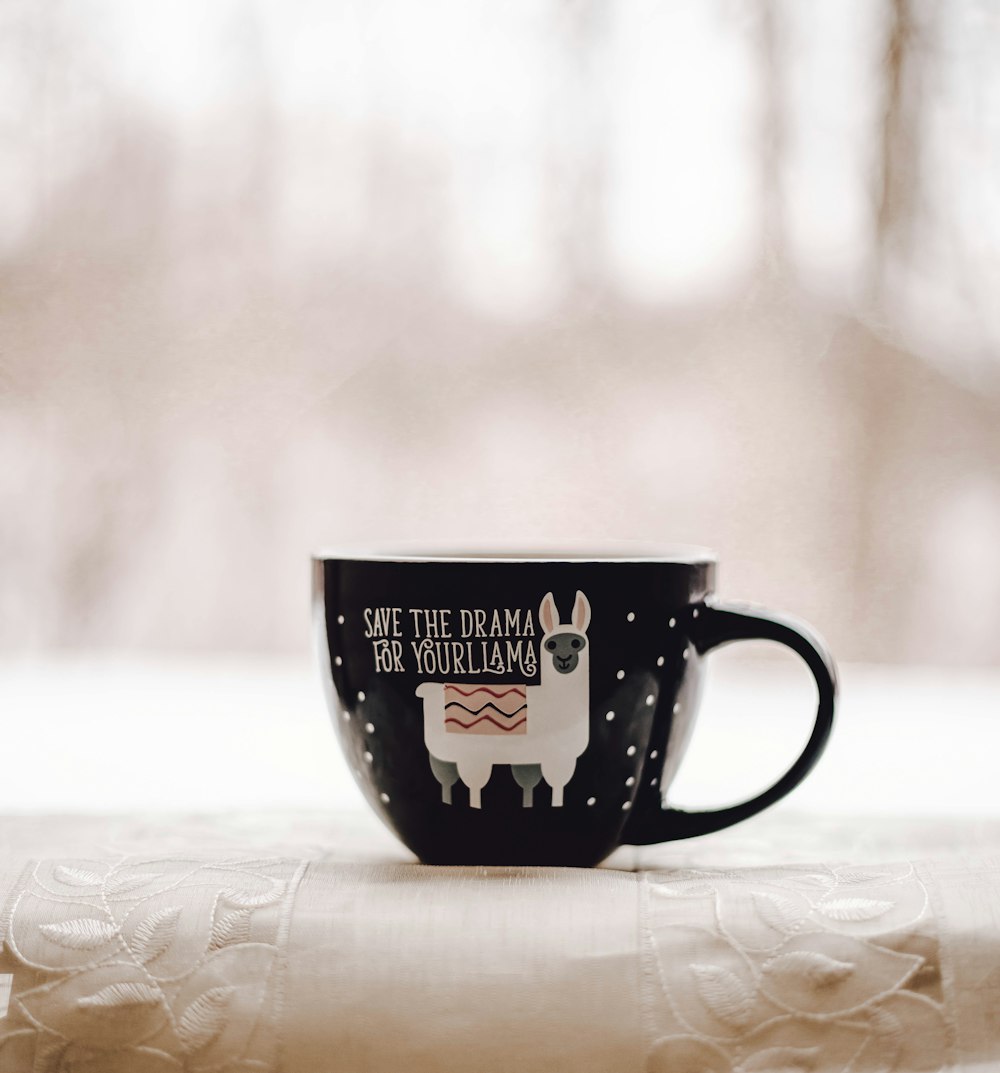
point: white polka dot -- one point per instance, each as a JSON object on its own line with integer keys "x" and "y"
{"x": 591, "y": 800}
{"x": 685, "y": 653}
{"x": 631, "y": 616}
{"x": 672, "y": 623}
{"x": 369, "y": 758}
{"x": 337, "y": 660}
{"x": 361, "y": 694}
{"x": 630, "y": 751}
{"x": 659, "y": 661}
{"x": 340, "y": 620}
{"x": 609, "y": 716}
{"x": 347, "y": 716}
{"x": 626, "y": 805}
{"x": 370, "y": 727}
{"x": 620, "y": 675}
{"x": 694, "y": 613}
{"x": 677, "y": 707}
{"x": 653, "y": 782}
{"x": 653, "y": 755}
{"x": 384, "y": 798}
{"x": 649, "y": 700}
{"x": 630, "y": 781}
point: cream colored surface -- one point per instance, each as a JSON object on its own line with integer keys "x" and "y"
{"x": 302, "y": 941}
{"x": 268, "y": 923}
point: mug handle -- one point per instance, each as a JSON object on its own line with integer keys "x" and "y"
{"x": 710, "y": 626}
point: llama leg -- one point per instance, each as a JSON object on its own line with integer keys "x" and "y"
{"x": 475, "y": 773}
{"x": 527, "y": 776}
{"x": 557, "y": 773}
{"x": 446, "y": 773}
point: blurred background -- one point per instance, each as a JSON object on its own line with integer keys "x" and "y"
{"x": 280, "y": 275}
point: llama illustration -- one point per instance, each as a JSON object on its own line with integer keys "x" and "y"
{"x": 539, "y": 730}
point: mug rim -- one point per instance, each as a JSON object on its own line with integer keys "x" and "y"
{"x": 608, "y": 552}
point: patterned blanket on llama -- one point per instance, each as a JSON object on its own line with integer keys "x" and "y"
{"x": 485, "y": 709}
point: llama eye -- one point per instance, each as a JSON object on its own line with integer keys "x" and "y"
{"x": 575, "y": 642}
{"x": 551, "y": 646}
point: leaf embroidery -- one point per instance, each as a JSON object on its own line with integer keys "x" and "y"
{"x": 252, "y": 899}
{"x": 887, "y": 1026}
{"x": 816, "y": 880}
{"x": 204, "y": 1019}
{"x": 124, "y": 883}
{"x": 49, "y": 1055}
{"x": 888, "y": 1030}
{"x": 854, "y": 909}
{"x": 76, "y": 877}
{"x": 83, "y": 933}
{"x": 782, "y": 1060}
{"x": 154, "y": 934}
{"x": 818, "y": 969}
{"x": 230, "y": 928}
{"x": 779, "y": 913}
{"x": 861, "y": 875}
{"x": 121, "y": 997}
{"x": 724, "y": 994}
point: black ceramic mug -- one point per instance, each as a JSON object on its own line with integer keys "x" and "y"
{"x": 523, "y": 710}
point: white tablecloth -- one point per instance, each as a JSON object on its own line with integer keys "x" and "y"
{"x": 284, "y": 929}
{"x": 305, "y": 941}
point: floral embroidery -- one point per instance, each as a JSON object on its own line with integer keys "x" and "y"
{"x": 770, "y": 969}
{"x": 148, "y": 965}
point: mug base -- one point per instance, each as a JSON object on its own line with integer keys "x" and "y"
{"x": 569, "y": 853}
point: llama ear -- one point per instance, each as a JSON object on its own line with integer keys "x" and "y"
{"x": 548, "y": 613}
{"x": 581, "y": 612}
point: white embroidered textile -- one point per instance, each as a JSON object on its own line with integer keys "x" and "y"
{"x": 302, "y": 942}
